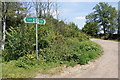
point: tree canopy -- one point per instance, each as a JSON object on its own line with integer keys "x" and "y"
{"x": 104, "y": 16}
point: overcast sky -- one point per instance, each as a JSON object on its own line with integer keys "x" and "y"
{"x": 76, "y": 11}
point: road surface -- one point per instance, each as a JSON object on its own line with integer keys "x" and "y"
{"x": 104, "y": 67}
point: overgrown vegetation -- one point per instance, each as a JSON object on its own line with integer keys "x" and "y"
{"x": 59, "y": 44}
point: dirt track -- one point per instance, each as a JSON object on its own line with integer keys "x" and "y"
{"x": 104, "y": 67}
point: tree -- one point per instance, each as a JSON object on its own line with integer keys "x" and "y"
{"x": 12, "y": 15}
{"x": 106, "y": 16}
{"x": 56, "y": 7}
{"x": 73, "y": 26}
{"x": 27, "y": 8}
{"x": 103, "y": 18}
{"x": 4, "y": 11}
{"x": 91, "y": 28}
{"x": 15, "y": 14}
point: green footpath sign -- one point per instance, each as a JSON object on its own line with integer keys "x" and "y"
{"x": 41, "y": 21}
{"x": 34, "y": 20}
{"x": 29, "y": 20}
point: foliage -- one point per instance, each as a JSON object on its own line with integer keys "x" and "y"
{"x": 106, "y": 15}
{"x": 58, "y": 43}
{"x": 19, "y": 42}
{"x": 25, "y": 62}
{"x": 103, "y": 18}
{"x": 70, "y": 53}
{"x": 66, "y": 46}
{"x": 90, "y": 51}
{"x": 91, "y": 28}
{"x": 13, "y": 68}
{"x": 71, "y": 49}
{"x": 14, "y": 13}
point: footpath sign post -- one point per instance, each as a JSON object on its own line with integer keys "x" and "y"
{"x": 37, "y": 21}
{"x": 36, "y": 39}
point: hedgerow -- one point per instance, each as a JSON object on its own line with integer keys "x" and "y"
{"x": 58, "y": 42}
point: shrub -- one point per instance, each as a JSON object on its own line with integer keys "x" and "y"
{"x": 26, "y": 61}
{"x": 82, "y": 36}
{"x": 90, "y": 50}
{"x": 71, "y": 49}
{"x": 66, "y": 44}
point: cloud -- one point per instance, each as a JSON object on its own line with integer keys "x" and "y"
{"x": 80, "y": 17}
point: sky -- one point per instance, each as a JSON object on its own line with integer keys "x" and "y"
{"x": 76, "y": 11}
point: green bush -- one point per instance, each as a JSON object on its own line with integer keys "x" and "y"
{"x": 15, "y": 45}
{"x": 56, "y": 44}
{"x": 71, "y": 49}
{"x": 25, "y": 62}
{"x": 82, "y": 36}
{"x": 90, "y": 50}
{"x": 21, "y": 41}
